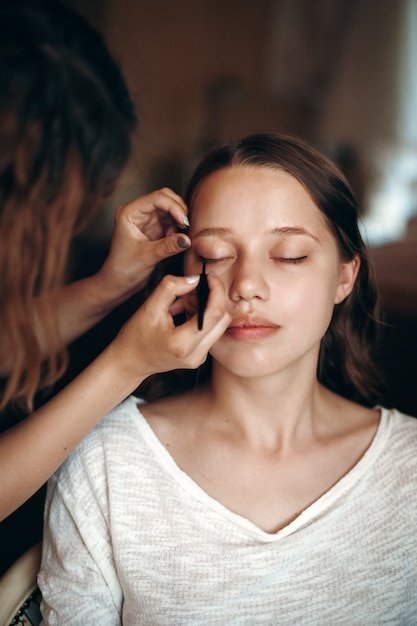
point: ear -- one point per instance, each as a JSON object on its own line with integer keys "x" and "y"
{"x": 347, "y": 276}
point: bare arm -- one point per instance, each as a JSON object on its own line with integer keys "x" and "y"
{"x": 148, "y": 343}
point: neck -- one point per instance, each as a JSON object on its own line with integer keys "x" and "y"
{"x": 274, "y": 410}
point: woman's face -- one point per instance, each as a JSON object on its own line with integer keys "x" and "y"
{"x": 262, "y": 234}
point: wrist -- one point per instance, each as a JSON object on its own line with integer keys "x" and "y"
{"x": 108, "y": 293}
{"x": 127, "y": 368}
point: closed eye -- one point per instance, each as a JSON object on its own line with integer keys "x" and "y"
{"x": 209, "y": 261}
{"x": 294, "y": 260}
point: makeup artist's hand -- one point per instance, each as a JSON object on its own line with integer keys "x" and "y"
{"x": 145, "y": 232}
{"x": 150, "y": 342}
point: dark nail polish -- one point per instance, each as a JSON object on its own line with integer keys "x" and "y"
{"x": 183, "y": 243}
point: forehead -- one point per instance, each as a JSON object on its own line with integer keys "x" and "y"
{"x": 254, "y": 197}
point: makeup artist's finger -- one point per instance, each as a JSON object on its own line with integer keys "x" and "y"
{"x": 184, "y": 346}
{"x": 168, "y": 246}
{"x": 164, "y": 204}
{"x": 169, "y": 291}
{"x": 168, "y": 346}
{"x": 170, "y": 298}
{"x": 216, "y": 318}
{"x": 150, "y": 340}
{"x": 178, "y": 209}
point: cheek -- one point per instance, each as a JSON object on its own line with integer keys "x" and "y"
{"x": 320, "y": 305}
{"x": 307, "y": 299}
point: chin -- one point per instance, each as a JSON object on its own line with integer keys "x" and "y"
{"x": 249, "y": 365}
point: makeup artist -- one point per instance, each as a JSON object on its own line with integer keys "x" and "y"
{"x": 66, "y": 123}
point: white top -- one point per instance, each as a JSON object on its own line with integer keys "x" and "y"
{"x": 132, "y": 539}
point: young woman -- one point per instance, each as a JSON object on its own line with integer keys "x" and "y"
{"x": 272, "y": 491}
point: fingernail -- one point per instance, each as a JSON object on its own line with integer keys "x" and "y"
{"x": 192, "y": 279}
{"x": 184, "y": 243}
{"x": 186, "y": 221}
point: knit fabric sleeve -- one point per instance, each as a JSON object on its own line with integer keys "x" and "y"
{"x": 77, "y": 551}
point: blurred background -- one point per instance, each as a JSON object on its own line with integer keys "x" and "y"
{"x": 340, "y": 73}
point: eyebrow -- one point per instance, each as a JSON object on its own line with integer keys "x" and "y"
{"x": 283, "y": 230}
{"x": 293, "y": 230}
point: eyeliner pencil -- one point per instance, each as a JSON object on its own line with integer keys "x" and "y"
{"x": 202, "y": 296}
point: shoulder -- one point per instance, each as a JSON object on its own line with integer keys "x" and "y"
{"x": 399, "y": 422}
{"x": 394, "y": 470}
{"x": 401, "y": 427}
{"x": 175, "y": 418}
{"x": 109, "y": 439}
{"x": 398, "y": 436}
{"x": 172, "y": 411}
{"x": 116, "y": 428}
{"x": 123, "y": 418}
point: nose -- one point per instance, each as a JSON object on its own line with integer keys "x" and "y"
{"x": 248, "y": 282}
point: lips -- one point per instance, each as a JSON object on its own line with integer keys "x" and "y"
{"x": 246, "y": 327}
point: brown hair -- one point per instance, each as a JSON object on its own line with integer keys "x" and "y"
{"x": 347, "y": 363}
{"x": 66, "y": 121}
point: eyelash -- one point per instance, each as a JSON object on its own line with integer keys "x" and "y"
{"x": 294, "y": 260}
{"x": 289, "y": 260}
{"x": 208, "y": 261}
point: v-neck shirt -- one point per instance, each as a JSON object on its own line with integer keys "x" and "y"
{"x": 156, "y": 549}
